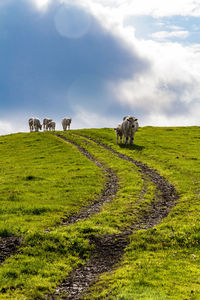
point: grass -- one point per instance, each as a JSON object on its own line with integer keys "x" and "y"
{"x": 129, "y": 204}
{"x": 44, "y": 179}
{"x": 161, "y": 263}
{"x": 39, "y": 206}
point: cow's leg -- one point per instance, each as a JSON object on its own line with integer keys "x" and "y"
{"x": 126, "y": 140}
{"x": 131, "y": 140}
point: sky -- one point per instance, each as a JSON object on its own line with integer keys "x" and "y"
{"x": 99, "y": 60}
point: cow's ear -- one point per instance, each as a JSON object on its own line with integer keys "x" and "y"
{"x": 136, "y": 119}
{"x": 115, "y": 128}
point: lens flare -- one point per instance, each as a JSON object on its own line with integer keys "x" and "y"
{"x": 72, "y": 22}
{"x": 41, "y": 3}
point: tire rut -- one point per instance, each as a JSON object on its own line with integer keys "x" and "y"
{"x": 109, "y": 192}
{"x": 109, "y": 249}
{"x": 166, "y": 194}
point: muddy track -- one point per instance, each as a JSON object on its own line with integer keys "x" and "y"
{"x": 166, "y": 194}
{"x": 8, "y": 247}
{"x": 107, "y": 195}
{"x": 109, "y": 249}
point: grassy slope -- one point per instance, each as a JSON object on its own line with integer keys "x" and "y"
{"x": 158, "y": 261}
{"x": 42, "y": 176}
{"x": 162, "y": 263}
{"x": 130, "y": 202}
{"x": 24, "y": 276}
{"x": 42, "y": 180}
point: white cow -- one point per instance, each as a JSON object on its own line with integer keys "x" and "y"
{"x": 119, "y": 134}
{"x": 36, "y": 124}
{"x": 45, "y": 123}
{"x": 30, "y": 123}
{"x": 66, "y": 123}
{"x": 129, "y": 127}
{"x": 51, "y": 125}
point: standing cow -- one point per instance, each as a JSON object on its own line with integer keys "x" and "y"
{"x": 51, "y": 125}
{"x": 45, "y": 123}
{"x": 36, "y": 124}
{"x": 30, "y": 123}
{"x": 66, "y": 123}
{"x": 119, "y": 134}
{"x": 129, "y": 127}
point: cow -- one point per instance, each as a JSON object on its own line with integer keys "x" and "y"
{"x": 45, "y": 123}
{"x": 129, "y": 127}
{"x": 30, "y": 123}
{"x": 66, "y": 123}
{"x": 51, "y": 125}
{"x": 119, "y": 133}
{"x": 36, "y": 124}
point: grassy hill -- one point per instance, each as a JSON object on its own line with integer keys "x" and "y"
{"x": 45, "y": 180}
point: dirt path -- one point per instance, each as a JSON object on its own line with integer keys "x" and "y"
{"x": 8, "y": 247}
{"x": 107, "y": 195}
{"x": 166, "y": 195}
{"x": 109, "y": 249}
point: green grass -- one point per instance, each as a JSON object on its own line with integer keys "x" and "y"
{"x": 78, "y": 180}
{"x": 130, "y": 202}
{"x": 161, "y": 263}
{"x": 44, "y": 179}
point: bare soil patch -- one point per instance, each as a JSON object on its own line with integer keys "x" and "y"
{"x": 8, "y": 247}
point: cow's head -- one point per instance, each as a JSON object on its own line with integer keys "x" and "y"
{"x": 132, "y": 121}
{"x": 130, "y": 118}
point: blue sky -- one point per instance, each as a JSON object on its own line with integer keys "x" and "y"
{"x": 146, "y": 26}
{"x": 97, "y": 61}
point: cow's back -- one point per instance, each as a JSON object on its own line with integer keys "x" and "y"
{"x": 126, "y": 128}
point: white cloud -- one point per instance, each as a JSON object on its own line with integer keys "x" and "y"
{"x": 161, "y": 8}
{"x": 156, "y": 8}
{"x": 15, "y": 122}
{"x": 163, "y": 35}
{"x": 173, "y": 78}
{"x": 190, "y": 118}
{"x": 5, "y": 127}
{"x": 174, "y": 27}
{"x": 83, "y": 119}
